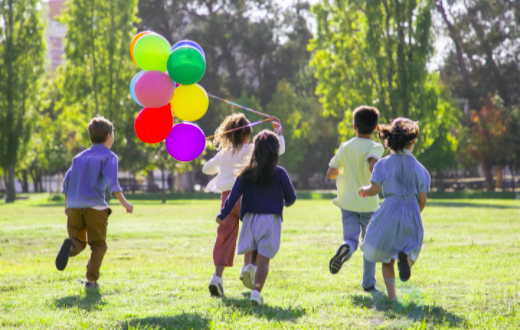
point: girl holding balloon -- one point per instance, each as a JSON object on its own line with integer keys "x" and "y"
{"x": 232, "y": 139}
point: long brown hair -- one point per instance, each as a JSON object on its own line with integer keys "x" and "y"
{"x": 262, "y": 165}
{"x": 400, "y": 133}
{"x": 232, "y": 140}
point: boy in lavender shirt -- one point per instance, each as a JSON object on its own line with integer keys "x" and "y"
{"x": 85, "y": 206}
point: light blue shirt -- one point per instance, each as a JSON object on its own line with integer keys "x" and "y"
{"x": 91, "y": 171}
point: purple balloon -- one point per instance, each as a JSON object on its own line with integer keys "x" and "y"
{"x": 191, "y": 44}
{"x": 185, "y": 142}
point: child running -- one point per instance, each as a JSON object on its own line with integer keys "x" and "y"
{"x": 396, "y": 231}
{"x": 234, "y": 153}
{"x": 264, "y": 188}
{"x": 86, "y": 209}
{"x": 352, "y": 166}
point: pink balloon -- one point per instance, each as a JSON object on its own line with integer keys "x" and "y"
{"x": 154, "y": 89}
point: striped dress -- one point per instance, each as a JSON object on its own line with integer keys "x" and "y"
{"x": 397, "y": 225}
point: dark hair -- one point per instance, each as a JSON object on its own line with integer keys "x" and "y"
{"x": 232, "y": 140}
{"x": 400, "y": 133}
{"x": 262, "y": 165}
{"x": 98, "y": 129}
{"x": 365, "y": 119}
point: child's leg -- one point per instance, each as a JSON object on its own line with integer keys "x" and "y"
{"x": 248, "y": 257}
{"x": 77, "y": 230}
{"x": 262, "y": 269}
{"x": 96, "y": 222}
{"x": 369, "y": 268}
{"x": 389, "y": 276}
{"x": 227, "y": 234}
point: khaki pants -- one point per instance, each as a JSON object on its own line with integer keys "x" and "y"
{"x": 89, "y": 225}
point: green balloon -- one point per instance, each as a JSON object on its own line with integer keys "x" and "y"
{"x": 186, "y": 65}
{"x": 151, "y": 52}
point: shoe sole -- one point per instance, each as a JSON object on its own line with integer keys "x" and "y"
{"x": 254, "y": 303}
{"x": 63, "y": 256}
{"x": 249, "y": 280}
{"x": 404, "y": 267}
{"x": 338, "y": 260}
{"x": 215, "y": 290}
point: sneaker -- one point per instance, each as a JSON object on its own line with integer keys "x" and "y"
{"x": 341, "y": 256}
{"x": 241, "y": 276}
{"x": 372, "y": 288}
{"x": 63, "y": 256}
{"x": 255, "y": 299}
{"x": 216, "y": 286}
{"x": 249, "y": 276}
{"x": 89, "y": 285}
{"x": 404, "y": 267}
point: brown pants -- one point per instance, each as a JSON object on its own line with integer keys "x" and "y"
{"x": 227, "y": 233}
{"x": 89, "y": 224}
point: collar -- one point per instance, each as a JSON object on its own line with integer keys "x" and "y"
{"x": 405, "y": 152}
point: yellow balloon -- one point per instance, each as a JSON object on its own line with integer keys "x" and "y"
{"x": 190, "y": 102}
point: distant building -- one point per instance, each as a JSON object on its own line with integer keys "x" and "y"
{"x": 54, "y": 35}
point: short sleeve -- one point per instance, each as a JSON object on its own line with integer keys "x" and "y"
{"x": 110, "y": 173}
{"x": 376, "y": 151}
{"x": 335, "y": 162}
{"x": 378, "y": 175}
{"x": 424, "y": 181}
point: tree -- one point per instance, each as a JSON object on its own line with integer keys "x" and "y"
{"x": 22, "y": 54}
{"x": 375, "y": 53}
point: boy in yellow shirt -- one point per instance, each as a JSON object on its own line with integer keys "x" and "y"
{"x": 352, "y": 167}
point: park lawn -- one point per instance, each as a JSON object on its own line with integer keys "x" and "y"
{"x": 156, "y": 271}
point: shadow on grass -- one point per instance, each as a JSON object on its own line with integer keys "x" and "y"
{"x": 431, "y": 315}
{"x": 472, "y": 205}
{"x": 264, "y": 311}
{"x": 184, "y": 321}
{"x": 91, "y": 300}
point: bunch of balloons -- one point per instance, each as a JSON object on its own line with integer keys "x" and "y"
{"x": 168, "y": 83}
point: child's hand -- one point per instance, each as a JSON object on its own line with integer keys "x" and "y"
{"x": 362, "y": 192}
{"x": 219, "y": 221}
{"x": 277, "y": 125}
{"x": 129, "y": 207}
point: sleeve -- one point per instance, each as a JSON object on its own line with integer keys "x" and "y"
{"x": 289, "y": 194}
{"x": 376, "y": 152}
{"x": 282, "y": 145}
{"x": 231, "y": 201}
{"x": 212, "y": 166}
{"x": 109, "y": 172}
{"x": 65, "y": 183}
{"x": 424, "y": 181}
{"x": 335, "y": 162}
{"x": 378, "y": 176}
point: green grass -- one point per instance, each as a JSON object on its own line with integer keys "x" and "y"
{"x": 159, "y": 262}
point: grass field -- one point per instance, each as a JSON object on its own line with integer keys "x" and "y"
{"x": 159, "y": 262}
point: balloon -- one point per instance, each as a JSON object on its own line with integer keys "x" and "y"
{"x": 132, "y": 87}
{"x": 186, "y": 65}
{"x": 191, "y": 44}
{"x": 153, "y": 125}
{"x": 151, "y": 52}
{"x": 154, "y": 89}
{"x": 185, "y": 142}
{"x": 134, "y": 40}
{"x": 190, "y": 102}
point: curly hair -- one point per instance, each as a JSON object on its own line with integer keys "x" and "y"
{"x": 400, "y": 133}
{"x": 262, "y": 164}
{"x": 232, "y": 140}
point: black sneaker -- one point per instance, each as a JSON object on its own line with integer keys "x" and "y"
{"x": 404, "y": 267}
{"x": 63, "y": 256}
{"x": 89, "y": 285}
{"x": 342, "y": 255}
{"x": 372, "y": 288}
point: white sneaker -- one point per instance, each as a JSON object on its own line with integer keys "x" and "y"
{"x": 216, "y": 286}
{"x": 249, "y": 276}
{"x": 255, "y": 299}
{"x": 241, "y": 276}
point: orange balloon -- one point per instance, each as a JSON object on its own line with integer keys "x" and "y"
{"x": 134, "y": 40}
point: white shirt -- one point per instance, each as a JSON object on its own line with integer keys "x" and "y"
{"x": 227, "y": 165}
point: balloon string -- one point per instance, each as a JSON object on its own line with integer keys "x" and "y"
{"x": 238, "y": 128}
{"x": 240, "y": 106}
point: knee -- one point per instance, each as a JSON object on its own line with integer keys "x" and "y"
{"x": 98, "y": 246}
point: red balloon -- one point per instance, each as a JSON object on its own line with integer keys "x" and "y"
{"x": 152, "y": 125}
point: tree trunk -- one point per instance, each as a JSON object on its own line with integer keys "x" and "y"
{"x": 488, "y": 174}
{"x": 25, "y": 184}
{"x": 9, "y": 179}
{"x": 440, "y": 182}
{"x": 150, "y": 181}
{"x": 499, "y": 177}
{"x": 163, "y": 187}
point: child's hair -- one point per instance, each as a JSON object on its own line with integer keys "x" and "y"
{"x": 365, "y": 119}
{"x": 263, "y": 162}
{"x": 400, "y": 133}
{"x": 98, "y": 129}
{"x": 232, "y": 140}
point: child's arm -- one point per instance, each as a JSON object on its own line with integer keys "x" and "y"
{"x": 422, "y": 200}
{"x": 333, "y": 173}
{"x": 231, "y": 201}
{"x": 371, "y": 190}
{"x": 65, "y": 187}
{"x": 289, "y": 194}
{"x": 277, "y": 127}
{"x": 129, "y": 207}
{"x": 109, "y": 172}
{"x": 335, "y": 165}
{"x": 212, "y": 166}
{"x": 371, "y": 163}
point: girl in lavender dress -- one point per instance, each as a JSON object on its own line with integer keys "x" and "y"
{"x": 396, "y": 231}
